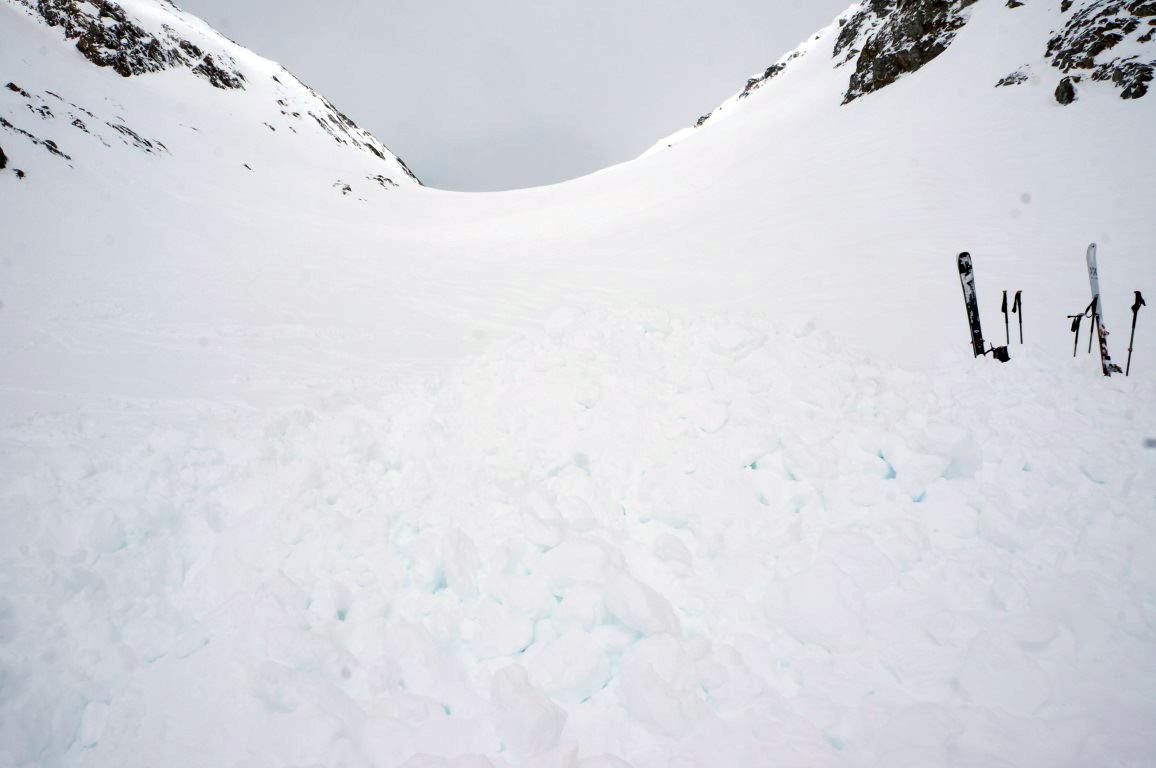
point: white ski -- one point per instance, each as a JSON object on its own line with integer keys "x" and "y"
{"x": 1098, "y": 315}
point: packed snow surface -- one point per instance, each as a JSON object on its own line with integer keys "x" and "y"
{"x": 715, "y": 541}
{"x": 685, "y": 463}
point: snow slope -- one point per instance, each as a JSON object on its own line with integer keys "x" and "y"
{"x": 682, "y": 463}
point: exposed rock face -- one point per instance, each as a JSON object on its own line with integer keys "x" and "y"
{"x": 895, "y": 37}
{"x": 109, "y": 38}
{"x": 143, "y": 37}
{"x": 883, "y": 40}
{"x": 3, "y": 159}
{"x": 1095, "y": 31}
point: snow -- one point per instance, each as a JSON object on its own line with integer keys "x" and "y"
{"x": 686, "y": 463}
{"x": 400, "y": 576}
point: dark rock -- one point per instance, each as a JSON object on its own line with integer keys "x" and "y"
{"x": 855, "y": 29}
{"x": 1015, "y": 78}
{"x": 384, "y": 181}
{"x": 46, "y": 143}
{"x": 131, "y": 137}
{"x": 1130, "y": 76}
{"x": 107, "y": 37}
{"x": 1066, "y": 91}
{"x": 17, "y": 89}
{"x": 3, "y": 159}
{"x": 754, "y": 83}
{"x": 218, "y": 75}
{"x": 408, "y": 172}
{"x": 19, "y": 173}
{"x": 1092, "y": 34}
{"x": 896, "y": 37}
{"x": 1014, "y": 4}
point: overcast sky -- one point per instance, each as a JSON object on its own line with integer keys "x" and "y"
{"x": 514, "y": 93}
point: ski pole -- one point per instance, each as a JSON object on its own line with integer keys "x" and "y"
{"x": 1006, "y": 332}
{"x": 1131, "y": 339}
{"x": 1018, "y": 311}
{"x": 1076, "y": 330}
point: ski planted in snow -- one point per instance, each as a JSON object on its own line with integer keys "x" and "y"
{"x": 970, "y": 302}
{"x": 1106, "y": 363}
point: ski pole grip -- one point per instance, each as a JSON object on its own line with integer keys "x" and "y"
{"x": 1139, "y": 303}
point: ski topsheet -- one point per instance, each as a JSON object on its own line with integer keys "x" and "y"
{"x": 1098, "y": 314}
{"x": 967, "y": 280}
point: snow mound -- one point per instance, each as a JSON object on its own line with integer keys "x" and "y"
{"x": 628, "y": 538}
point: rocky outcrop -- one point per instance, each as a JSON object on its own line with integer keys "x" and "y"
{"x": 107, "y": 37}
{"x": 754, "y": 83}
{"x": 1111, "y": 41}
{"x": 136, "y": 38}
{"x": 1066, "y": 90}
{"x": 51, "y": 108}
{"x": 1095, "y": 31}
{"x": 48, "y": 144}
{"x": 3, "y": 159}
{"x": 896, "y": 37}
{"x": 1019, "y": 77}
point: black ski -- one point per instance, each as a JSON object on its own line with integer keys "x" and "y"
{"x": 971, "y": 303}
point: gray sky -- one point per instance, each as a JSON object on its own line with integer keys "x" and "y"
{"x": 515, "y": 93}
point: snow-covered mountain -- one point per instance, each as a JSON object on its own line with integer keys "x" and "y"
{"x": 683, "y": 463}
{"x": 86, "y": 77}
{"x": 880, "y": 41}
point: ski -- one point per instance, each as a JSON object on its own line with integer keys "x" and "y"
{"x": 1106, "y": 363}
{"x": 970, "y": 302}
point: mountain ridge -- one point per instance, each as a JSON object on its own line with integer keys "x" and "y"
{"x": 150, "y": 38}
{"x": 885, "y": 40}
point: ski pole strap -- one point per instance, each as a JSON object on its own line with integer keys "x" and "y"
{"x": 1076, "y": 322}
{"x": 1016, "y": 303}
{"x": 1091, "y": 310}
{"x": 1003, "y": 307}
{"x": 1138, "y": 303}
